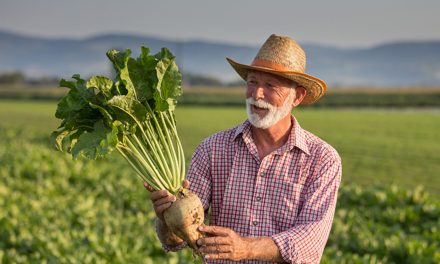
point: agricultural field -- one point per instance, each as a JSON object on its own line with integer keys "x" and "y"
{"x": 56, "y": 210}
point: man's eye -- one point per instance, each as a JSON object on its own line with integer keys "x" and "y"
{"x": 270, "y": 85}
{"x": 251, "y": 82}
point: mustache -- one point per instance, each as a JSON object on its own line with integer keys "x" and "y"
{"x": 260, "y": 103}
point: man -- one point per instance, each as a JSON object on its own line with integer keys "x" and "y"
{"x": 271, "y": 186}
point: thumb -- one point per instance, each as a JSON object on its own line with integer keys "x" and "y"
{"x": 185, "y": 184}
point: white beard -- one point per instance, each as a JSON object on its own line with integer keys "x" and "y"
{"x": 274, "y": 114}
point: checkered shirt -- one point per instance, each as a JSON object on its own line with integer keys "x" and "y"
{"x": 289, "y": 195}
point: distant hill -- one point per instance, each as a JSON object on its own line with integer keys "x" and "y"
{"x": 393, "y": 64}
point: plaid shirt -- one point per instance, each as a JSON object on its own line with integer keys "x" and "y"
{"x": 289, "y": 195}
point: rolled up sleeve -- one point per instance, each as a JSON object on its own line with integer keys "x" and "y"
{"x": 166, "y": 247}
{"x": 305, "y": 241}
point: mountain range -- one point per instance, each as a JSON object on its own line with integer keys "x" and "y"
{"x": 390, "y": 64}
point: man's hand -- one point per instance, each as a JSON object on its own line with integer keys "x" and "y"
{"x": 223, "y": 243}
{"x": 162, "y": 199}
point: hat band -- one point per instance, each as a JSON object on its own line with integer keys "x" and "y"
{"x": 270, "y": 65}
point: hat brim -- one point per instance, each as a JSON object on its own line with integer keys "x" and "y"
{"x": 315, "y": 87}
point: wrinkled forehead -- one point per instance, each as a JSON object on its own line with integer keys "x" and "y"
{"x": 269, "y": 76}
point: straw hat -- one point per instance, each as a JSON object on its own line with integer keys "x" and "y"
{"x": 282, "y": 56}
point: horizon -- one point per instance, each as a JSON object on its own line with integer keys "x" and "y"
{"x": 256, "y": 45}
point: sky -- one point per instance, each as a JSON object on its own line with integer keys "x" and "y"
{"x": 341, "y": 23}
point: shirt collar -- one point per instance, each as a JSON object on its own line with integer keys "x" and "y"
{"x": 242, "y": 129}
{"x": 297, "y": 137}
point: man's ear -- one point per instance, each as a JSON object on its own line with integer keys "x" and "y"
{"x": 300, "y": 93}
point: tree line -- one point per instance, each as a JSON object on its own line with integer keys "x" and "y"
{"x": 190, "y": 79}
{"x": 18, "y": 77}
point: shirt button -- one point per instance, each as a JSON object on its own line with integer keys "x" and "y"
{"x": 255, "y": 223}
{"x": 258, "y": 198}
{"x": 262, "y": 174}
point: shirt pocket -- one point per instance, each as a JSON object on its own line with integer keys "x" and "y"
{"x": 287, "y": 205}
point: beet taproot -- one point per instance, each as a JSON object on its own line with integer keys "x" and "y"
{"x": 184, "y": 217}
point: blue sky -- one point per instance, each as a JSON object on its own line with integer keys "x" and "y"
{"x": 341, "y": 23}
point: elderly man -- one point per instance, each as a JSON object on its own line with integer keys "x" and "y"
{"x": 271, "y": 185}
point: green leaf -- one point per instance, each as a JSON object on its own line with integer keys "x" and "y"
{"x": 58, "y": 137}
{"x": 128, "y": 110}
{"x": 69, "y": 104}
{"x": 169, "y": 81}
{"x": 64, "y": 139}
{"x": 120, "y": 63}
{"x": 103, "y": 84}
{"x": 119, "y": 59}
{"x": 79, "y": 108}
{"x": 97, "y": 143}
{"x": 82, "y": 119}
{"x": 136, "y": 77}
{"x": 105, "y": 113}
{"x": 143, "y": 75}
{"x": 87, "y": 94}
{"x": 76, "y": 99}
{"x": 67, "y": 84}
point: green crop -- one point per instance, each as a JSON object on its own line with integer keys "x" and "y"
{"x": 102, "y": 220}
{"x": 133, "y": 114}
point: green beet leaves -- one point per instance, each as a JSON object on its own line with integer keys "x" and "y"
{"x": 132, "y": 113}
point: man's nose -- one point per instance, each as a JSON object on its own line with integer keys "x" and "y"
{"x": 258, "y": 93}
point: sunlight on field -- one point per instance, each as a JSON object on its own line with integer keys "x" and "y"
{"x": 376, "y": 146}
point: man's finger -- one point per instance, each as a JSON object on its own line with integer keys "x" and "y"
{"x": 148, "y": 187}
{"x": 215, "y": 230}
{"x": 218, "y": 256}
{"x": 156, "y": 195}
{"x": 216, "y": 249}
{"x": 161, "y": 208}
{"x": 216, "y": 240}
{"x": 164, "y": 200}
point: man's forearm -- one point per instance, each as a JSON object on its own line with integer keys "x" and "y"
{"x": 263, "y": 248}
{"x": 165, "y": 235}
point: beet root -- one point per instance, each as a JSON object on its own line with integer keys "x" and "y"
{"x": 184, "y": 217}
